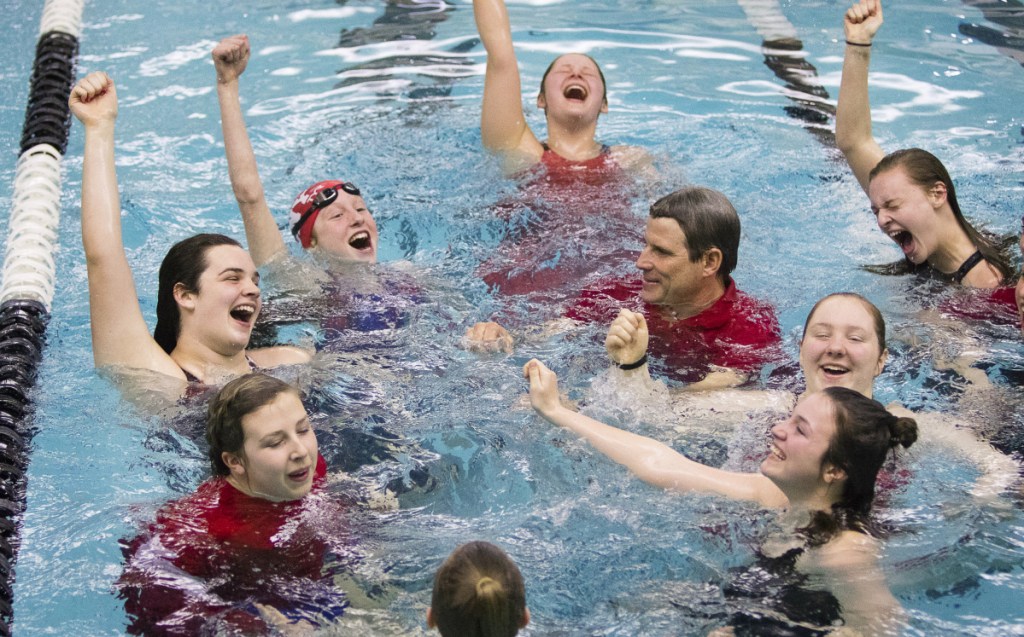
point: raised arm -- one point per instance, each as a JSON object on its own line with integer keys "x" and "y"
{"x": 503, "y": 125}
{"x": 119, "y": 332}
{"x": 853, "y": 113}
{"x": 230, "y": 58}
{"x": 650, "y": 460}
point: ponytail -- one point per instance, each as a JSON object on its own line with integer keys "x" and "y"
{"x": 478, "y": 592}
{"x": 865, "y": 434}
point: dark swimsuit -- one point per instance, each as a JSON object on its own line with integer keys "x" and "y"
{"x": 191, "y": 378}
{"x": 774, "y": 600}
{"x": 967, "y": 266}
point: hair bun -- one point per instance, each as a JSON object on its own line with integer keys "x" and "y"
{"x": 486, "y": 587}
{"x": 902, "y": 431}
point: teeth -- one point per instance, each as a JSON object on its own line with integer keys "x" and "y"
{"x": 834, "y": 369}
{"x": 360, "y": 240}
{"x": 572, "y": 89}
{"x": 775, "y": 451}
{"x": 243, "y": 312}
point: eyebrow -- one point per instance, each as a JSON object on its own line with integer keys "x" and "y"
{"x": 281, "y": 432}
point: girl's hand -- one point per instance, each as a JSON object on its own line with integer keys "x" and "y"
{"x": 862, "y": 21}
{"x": 93, "y": 100}
{"x": 543, "y": 387}
{"x": 230, "y": 58}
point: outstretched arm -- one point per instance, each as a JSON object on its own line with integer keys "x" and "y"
{"x": 502, "y": 122}
{"x": 648, "y": 459}
{"x": 853, "y": 113}
{"x": 119, "y": 332}
{"x": 230, "y": 58}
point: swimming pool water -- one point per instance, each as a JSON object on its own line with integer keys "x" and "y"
{"x": 330, "y": 92}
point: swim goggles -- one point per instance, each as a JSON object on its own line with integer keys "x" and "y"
{"x": 321, "y": 200}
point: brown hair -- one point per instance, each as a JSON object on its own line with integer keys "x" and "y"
{"x": 478, "y": 592}
{"x": 708, "y": 220}
{"x": 924, "y": 169}
{"x": 184, "y": 263}
{"x": 876, "y": 315}
{"x": 865, "y": 432}
{"x": 233, "y": 402}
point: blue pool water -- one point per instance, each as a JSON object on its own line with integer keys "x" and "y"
{"x": 329, "y": 93}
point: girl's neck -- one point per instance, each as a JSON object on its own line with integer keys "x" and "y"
{"x": 954, "y": 246}
{"x": 207, "y": 364}
{"x": 572, "y": 142}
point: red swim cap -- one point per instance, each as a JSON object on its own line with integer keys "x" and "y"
{"x": 302, "y": 205}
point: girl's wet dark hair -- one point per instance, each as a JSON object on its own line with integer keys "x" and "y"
{"x": 925, "y": 170}
{"x": 236, "y": 400}
{"x": 600, "y": 73}
{"x": 876, "y": 314}
{"x": 478, "y": 592}
{"x": 185, "y": 263}
{"x": 865, "y": 433}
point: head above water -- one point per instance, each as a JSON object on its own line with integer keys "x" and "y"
{"x": 865, "y": 433}
{"x": 828, "y": 454}
{"x": 708, "y": 220}
{"x": 478, "y": 592}
{"x": 573, "y": 94}
{"x": 597, "y": 67}
{"x": 331, "y": 216}
{"x": 183, "y": 265}
{"x": 924, "y": 170}
{"x": 843, "y": 343}
{"x": 236, "y": 400}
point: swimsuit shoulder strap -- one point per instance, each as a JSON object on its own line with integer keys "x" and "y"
{"x": 967, "y": 266}
{"x": 189, "y": 376}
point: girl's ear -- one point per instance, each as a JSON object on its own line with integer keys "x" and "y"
{"x": 183, "y": 296}
{"x": 834, "y": 474}
{"x": 233, "y": 462}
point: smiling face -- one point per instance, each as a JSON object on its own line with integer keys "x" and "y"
{"x": 573, "y": 87}
{"x": 223, "y": 309}
{"x": 907, "y": 213}
{"x": 669, "y": 277}
{"x": 279, "y": 453}
{"x": 345, "y": 229}
{"x": 840, "y": 346}
{"x": 798, "y": 445}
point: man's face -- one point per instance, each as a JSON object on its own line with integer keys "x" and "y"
{"x": 669, "y": 277}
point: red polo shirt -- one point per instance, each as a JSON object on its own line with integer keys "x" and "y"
{"x": 737, "y": 331}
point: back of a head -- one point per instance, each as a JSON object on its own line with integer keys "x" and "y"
{"x": 478, "y": 592}
{"x": 865, "y": 433}
{"x": 708, "y": 219}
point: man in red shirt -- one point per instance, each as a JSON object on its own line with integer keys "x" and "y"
{"x": 702, "y": 329}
